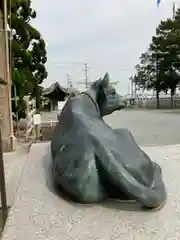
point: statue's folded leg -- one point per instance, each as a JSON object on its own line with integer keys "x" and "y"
{"x": 113, "y": 191}
{"x": 74, "y": 170}
{"x": 151, "y": 197}
{"x": 158, "y": 192}
{"x": 154, "y": 196}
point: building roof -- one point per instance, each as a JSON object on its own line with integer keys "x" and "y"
{"x": 54, "y": 87}
{"x": 57, "y": 92}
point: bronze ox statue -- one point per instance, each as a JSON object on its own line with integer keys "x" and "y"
{"x": 93, "y": 162}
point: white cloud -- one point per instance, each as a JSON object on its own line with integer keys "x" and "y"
{"x": 109, "y": 34}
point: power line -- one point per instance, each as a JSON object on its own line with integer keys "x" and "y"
{"x": 174, "y": 10}
{"x": 78, "y": 65}
{"x": 66, "y": 63}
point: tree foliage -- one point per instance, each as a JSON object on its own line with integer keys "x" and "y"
{"x": 159, "y": 66}
{"x": 28, "y": 49}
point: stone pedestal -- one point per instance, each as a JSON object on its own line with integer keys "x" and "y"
{"x": 41, "y": 213}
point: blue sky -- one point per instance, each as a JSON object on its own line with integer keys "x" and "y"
{"x": 109, "y": 35}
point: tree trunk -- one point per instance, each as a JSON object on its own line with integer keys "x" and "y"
{"x": 157, "y": 100}
{"x": 37, "y": 94}
{"x": 172, "y": 103}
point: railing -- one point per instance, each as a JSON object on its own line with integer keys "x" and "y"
{"x": 30, "y": 126}
{"x": 47, "y": 128}
{"x": 30, "y": 112}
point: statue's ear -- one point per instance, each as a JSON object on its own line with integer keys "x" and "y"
{"x": 101, "y": 83}
{"x": 97, "y": 84}
{"x": 105, "y": 81}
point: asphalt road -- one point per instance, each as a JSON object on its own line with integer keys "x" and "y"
{"x": 149, "y": 127}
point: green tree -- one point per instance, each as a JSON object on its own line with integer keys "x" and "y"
{"x": 166, "y": 45}
{"x": 38, "y": 68}
{"x": 28, "y": 50}
{"x": 159, "y": 67}
{"x": 142, "y": 76}
{"x": 148, "y": 73}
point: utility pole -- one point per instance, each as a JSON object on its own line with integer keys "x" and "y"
{"x": 85, "y": 82}
{"x": 174, "y": 9}
{"x": 86, "y": 75}
{"x": 88, "y": 83}
{"x": 131, "y": 86}
{"x": 69, "y": 81}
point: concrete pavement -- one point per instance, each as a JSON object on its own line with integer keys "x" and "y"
{"x": 154, "y": 127}
{"x": 38, "y": 213}
{"x": 14, "y": 163}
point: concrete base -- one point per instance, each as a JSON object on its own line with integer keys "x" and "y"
{"x": 39, "y": 213}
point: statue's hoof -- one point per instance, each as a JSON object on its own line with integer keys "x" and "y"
{"x": 155, "y": 209}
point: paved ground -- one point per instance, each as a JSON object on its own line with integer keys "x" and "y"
{"x": 14, "y": 163}
{"x": 153, "y": 127}
{"x": 38, "y": 213}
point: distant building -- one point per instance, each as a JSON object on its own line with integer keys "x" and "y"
{"x": 56, "y": 93}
